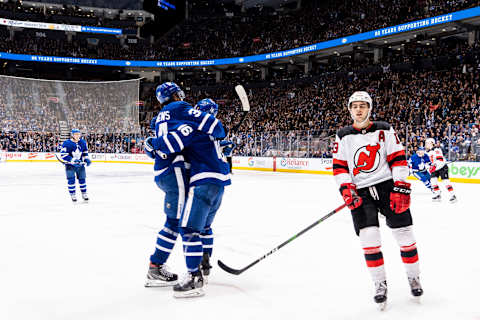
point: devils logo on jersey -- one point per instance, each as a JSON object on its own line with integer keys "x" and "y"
{"x": 367, "y": 159}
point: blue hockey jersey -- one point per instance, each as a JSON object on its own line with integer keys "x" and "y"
{"x": 72, "y": 151}
{"x": 419, "y": 164}
{"x": 174, "y": 117}
{"x": 208, "y": 164}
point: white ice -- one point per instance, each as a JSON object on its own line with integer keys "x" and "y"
{"x": 60, "y": 260}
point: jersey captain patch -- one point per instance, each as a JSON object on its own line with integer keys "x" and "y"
{"x": 367, "y": 159}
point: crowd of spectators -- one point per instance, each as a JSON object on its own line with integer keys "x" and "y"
{"x": 423, "y": 90}
{"x": 239, "y": 33}
{"x": 95, "y": 107}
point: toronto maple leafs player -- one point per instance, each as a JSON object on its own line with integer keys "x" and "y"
{"x": 172, "y": 174}
{"x": 419, "y": 163}
{"x": 74, "y": 154}
{"x": 209, "y": 174}
{"x": 370, "y": 166}
{"x": 226, "y": 146}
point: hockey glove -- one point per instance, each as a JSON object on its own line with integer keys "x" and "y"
{"x": 150, "y": 154}
{"x": 150, "y": 151}
{"x": 87, "y": 161}
{"x": 227, "y": 149}
{"x": 148, "y": 144}
{"x": 400, "y": 197}
{"x": 432, "y": 169}
{"x": 77, "y": 163}
{"x": 350, "y": 195}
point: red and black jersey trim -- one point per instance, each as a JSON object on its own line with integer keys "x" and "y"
{"x": 397, "y": 159}
{"x": 339, "y": 167}
{"x": 374, "y": 126}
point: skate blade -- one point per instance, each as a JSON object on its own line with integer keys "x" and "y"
{"x": 436, "y": 200}
{"x": 416, "y": 300}
{"x": 382, "y": 306}
{"x": 189, "y": 294}
{"x": 159, "y": 283}
{"x": 453, "y": 201}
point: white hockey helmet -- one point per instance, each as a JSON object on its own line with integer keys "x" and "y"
{"x": 429, "y": 143}
{"x": 360, "y": 96}
{"x": 364, "y": 97}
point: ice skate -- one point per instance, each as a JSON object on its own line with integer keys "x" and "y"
{"x": 381, "y": 294}
{"x": 415, "y": 287}
{"x": 453, "y": 199}
{"x": 205, "y": 267}
{"x": 85, "y": 196}
{"x": 159, "y": 276}
{"x": 437, "y": 198}
{"x": 191, "y": 286}
{"x": 74, "y": 197}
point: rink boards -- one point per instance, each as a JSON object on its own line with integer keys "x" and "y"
{"x": 467, "y": 172}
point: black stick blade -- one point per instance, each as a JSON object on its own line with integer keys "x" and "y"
{"x": 228, "y": 269}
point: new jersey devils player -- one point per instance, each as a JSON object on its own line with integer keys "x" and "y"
{"x": 370, "y": 166}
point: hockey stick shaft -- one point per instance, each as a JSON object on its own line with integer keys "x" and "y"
{"x": 239, "y": 271}
{"x": 66, "y": 162}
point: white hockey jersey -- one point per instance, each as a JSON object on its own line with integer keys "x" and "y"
{"x": 437, "y": 158}
{"x": 368, "y": 156}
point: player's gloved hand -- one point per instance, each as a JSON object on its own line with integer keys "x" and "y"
{"x": 400, "y": 197}
{"x": 350, "y": 195}
{"x": 150, "y": 154}
{"x": 228, "y": 148}
{"x": 432, "y": 169}
{"x": 147, "y": 145}
{"x": 77, "y": 163}
{"x": 87, "y": 161}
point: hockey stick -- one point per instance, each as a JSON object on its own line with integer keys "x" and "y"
{"x": 66, "y": 162}
{"x": 238, "y": 271}
{"x": 60, "y": 160}
{"x": 242, "y": 94}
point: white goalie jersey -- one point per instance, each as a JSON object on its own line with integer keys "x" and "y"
{"x": 369, "y": 156}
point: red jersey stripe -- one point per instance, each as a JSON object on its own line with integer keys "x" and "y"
{"x": 392, "y": 156}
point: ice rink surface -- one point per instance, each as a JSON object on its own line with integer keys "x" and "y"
{"x": 64, "y": 261}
